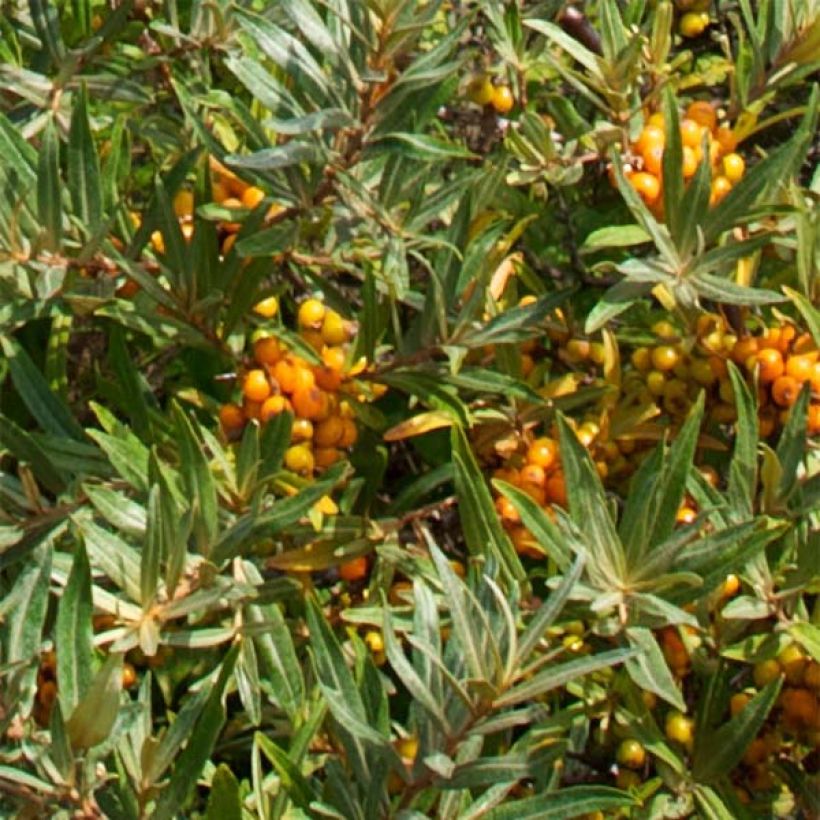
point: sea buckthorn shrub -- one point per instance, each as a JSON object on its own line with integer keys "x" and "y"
{"x": 409, "y": 409}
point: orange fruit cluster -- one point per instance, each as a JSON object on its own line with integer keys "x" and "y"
{"x": 280, "y": 380}
{"x": 700, "y": 120}
{"x": 780, "y": 358}
{"x": 231, "y": 192}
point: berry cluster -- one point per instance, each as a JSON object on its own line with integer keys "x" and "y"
{"x": 780, "y": 359}
{"x": 700, "y": 121}
{"x": 283, "y": 381}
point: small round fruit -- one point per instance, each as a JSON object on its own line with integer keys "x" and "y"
{"x": 350, "y": 433}
{"x": 309, "y": 404}
{"x": 770, "y": 364}
{"x": 480, "y": 90}
{"x": 326, "y": 457}
{"x": 720, "y": 187}
{"x": 631, "y": 754}
{"x": 792, "y": 661}
{"x": 329, "y": 432}
{"x": 730, "y": 586}
{"x": 299, "y": 459}
{"x": 734, "y": 167}
{"x": 354, "y": 570}
{"x": 543, "y": 452}
{"x": 184, "y": 203}
{"x": 311, "y": 313}
{"x": 273, "y": 406}
{"x": 703, "y": 113}
{"x": 665, "y": 357}
{"x": 785, "y": 391}
{"x": 129, "y": 675}
{"x": 651, "y": 137}
{"x": 256, "y": 387}
{"x": 690, "y": 162}
{"x": 375, "y": 642}
{"x": 252, "y": 196}
{"x": 765, "y": 672}
{"x": 647, "y": 185}
{"x": 693, "y": 24}
{"x": 267, "y": 308}
{"x": 679, "y": 728}
{"x": 334, "y": 331}
{"x": 503, "y": 100}
{"x": 642, "y": 359}
{"x": 653, "y": 160}
{"x": 726, "y": 139}
{"x": 738, "y": 701}
{"x": 267, "y": 350}
{"x": 231, "y": 417}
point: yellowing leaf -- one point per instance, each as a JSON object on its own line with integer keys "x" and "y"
{"x": 417, "y": 425}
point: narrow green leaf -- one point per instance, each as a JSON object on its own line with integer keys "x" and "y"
{"x": 74, "y": 635}
{"x": 743, "y": 467}
{"x": 84, "y": 166}
{"x": 93, "y": 718}
{"x": 569, "y": 801}
{"x": 298, "y": 787}
{"x": 50, "y": 187}
{"x": 649, "y": 669}
{"x": 199, "y": 746}
{"x": 224, "y": 801}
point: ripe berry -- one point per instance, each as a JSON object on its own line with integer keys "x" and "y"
{"x": 647, "y": 185}
{"x": 301, "y": 430}
{"x": 792, "y": 661}
{"x": 703, "y": 113}
{"x": 652, "y": 136}
{"x": 299, "y": 459}
{"x": 726, "y": 139}
{"x": 267, "y": 350}
{"x": 653, "y": 159}
{"x": 326, "y": 456}
{"x": 693, "y": 24}
{"x": 543, "y": 452}
{"x": 311, "y": 313}
{"x": 642, "y": 359}
{"x": 731, "y": 585}
{"x": 310, "y": 403}
{"x": 503, "y": 100}
{"x": 690, "y": 162}
{"x": 231, "y": 417}
{"x": 720, "y": 187}
{"x": 334, "y": 331}
{"x": 353, "y": 570}
{"x": 329, "y": 432}
{"x": 665, "y": 357}
{"x": 255, "y": 387}
{"x": 765, "y": 672}
{"x": 267, "y": 308}
{"x": 184, "y": 203}
{"x": 252, "y": 196}
{"x": 738, "y": 702}
{"x": 785, "y": 391}
{"x": 801, "y": 367}
{"x": 679, "y": 728}
{"x": 272, "y": 406}
{"x": 631, "y": 754}
{"x": 350, "y": 433}
{"x": 770, "y": 364}
{"x": 733, "y": 167}
{"x": 129, "y": 676}
{"x": 557, "y": 489}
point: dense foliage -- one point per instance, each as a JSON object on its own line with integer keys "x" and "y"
{"x": 409, "y": 409}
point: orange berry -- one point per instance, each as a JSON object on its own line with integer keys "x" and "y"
{"x": 507, "y": 511}
{"x": 726, "y": 139}
{"x": 647, "y": 185}
{"x": 273, "y": 406}
{"x": 680, "y": 728}
{"x": 310, "y": 403}
{"x": 228, "y": 243}
{"x": 744, "y": 348}
{"x": 255, "y": 387}
{"x": 651, "y": 136}
{"x": 756, "y": 752}
{"x": 267, "y": 308}
{"x": 557, "y": 489}
{"x": 653, "y": 160}
{"x": 787, "y": 335}
{"x": 731, "y": 586}
{"x": 252, "y": 196}
{"x": 765, "y": 672}
{"x": 642, "y": 359}
{"x": 303, "y": 378}
{"x": 691, "y": 133}
{"x": 693, "y": 24}
{"x": 284, "y": 371}
{"x": 631, "y": 754}
{"x": 703, "y": 113}
{"x": 328, "y": 379}
{"x": 334, "y": 358}
{"x": 354, "y": 570}
{"x": 720, "y": 187}
{"x": 738, "y": 701}
{"x": 733, "y": 167}
{"x": 329, "y": 432}
{"x": 184, "y": 203}
{"x": 47, "y": 694}
{"x": 129, "y": 676}
{"x": 503, "y": 100}
{"x": 770, "y": 364}
{"x": 690, "y": 162}
{"x": 231, "y": 417}
{"x": 267, "y": 350}
{"x": 326, "y": 456}
{"x": 665, "y": 357}
{"x": 350, "y": 434}
{"x": 686, "y": 515}
{"x": 813, "y": 425}
{"x": 311, "y": 313}
{"x": 251, "y": 409}
{"x": 785, "y": 390}
{"x": 543, "y": 452}
{"x": 533, "y": 474}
